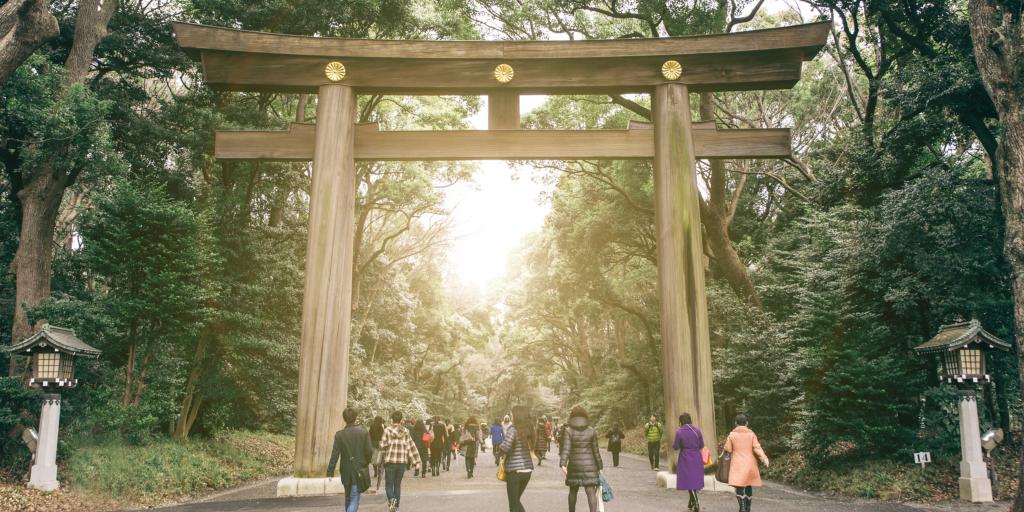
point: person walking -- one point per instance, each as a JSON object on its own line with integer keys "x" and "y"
{"x": 690, "y": 465}
{"x": 376, "y": 434}
{"x": 746, "y": 450}
{"x": 438, "y": 446}
{"x": 559, "y": 432}
{"x": 497, "y": 436}
{"x": 654, "y": 432}
{"x": 400, "y": 452}
{"x": 580, "y": 459}
{"x": 542, "y": 441}
{"x": 452, "y": 447}
{"x": 353, "y": 447}
{"x": 419, "y": 435}
{"x": 470, "y": 442}
{"x": 506, "y": 423}
{"x": 548, "y": 431}
{"x": 484, "y": 437}
{"x": 615, "y": 437}
{"x": 519, "y": 441}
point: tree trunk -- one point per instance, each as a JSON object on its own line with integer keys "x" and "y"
{"x": 91, "y": 22}
{"x": 129, "y": 371}
{"x": 24, "y": 26}
{"x": 190, "y": 402}
{"x": 140, "y": 381}
{"x": 33, "y": 260}
{"x": 717, "y": 216}
{"x": 725, "y": 256}
{"x": 40, "y": 199}
{"x": 997, "y": 35}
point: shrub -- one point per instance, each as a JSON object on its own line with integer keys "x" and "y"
{"x": 18, "y": 406}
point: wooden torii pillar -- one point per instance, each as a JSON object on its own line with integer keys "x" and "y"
{"x": 339, "y": 69}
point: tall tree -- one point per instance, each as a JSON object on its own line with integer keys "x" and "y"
{"x": 24, "y": 26}
{"x": 997, "y": 31}
{"x": 42, "y": 187}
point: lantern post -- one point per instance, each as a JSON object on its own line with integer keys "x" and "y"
{"x": 962, "y": 348}
{"x": 52, "y": 351}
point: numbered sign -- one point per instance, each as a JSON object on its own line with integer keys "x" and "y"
{"x": 922, "y": 458}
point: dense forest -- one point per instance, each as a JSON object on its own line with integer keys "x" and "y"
{"x": 823, "y": 271}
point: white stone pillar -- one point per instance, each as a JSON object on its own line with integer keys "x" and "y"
{"x": 44, "y": 471}
{"x": 974, "y": 483}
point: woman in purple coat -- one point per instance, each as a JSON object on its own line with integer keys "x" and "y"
{"x": 690, "y": 466}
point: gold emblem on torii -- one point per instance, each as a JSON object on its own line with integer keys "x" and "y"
{"x": 335, "y": 71}
{"x": 672, "y": 70}
{"x": 503, "y": 73}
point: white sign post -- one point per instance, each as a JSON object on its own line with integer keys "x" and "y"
{"x": 922, "y": 458}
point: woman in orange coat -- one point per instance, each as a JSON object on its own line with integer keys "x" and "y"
{"x": 743, "y": 472}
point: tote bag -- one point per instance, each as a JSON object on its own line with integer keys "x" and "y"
{"x": 606, "y": 490}
{"x": 722, "y": 473}
{"x": 501, "y": 469}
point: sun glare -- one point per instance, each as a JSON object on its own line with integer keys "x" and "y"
{"x": 493, "y": 212}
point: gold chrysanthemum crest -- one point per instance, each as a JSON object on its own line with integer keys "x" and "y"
{"x": 335, "y": 71}
{"x": 503, "y": 73}
{"x": 672, "y": 70}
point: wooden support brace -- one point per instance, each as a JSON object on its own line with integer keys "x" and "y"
{"x": 372, "y": 144}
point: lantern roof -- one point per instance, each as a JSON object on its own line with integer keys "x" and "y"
{"x": 59, "y": 338}
{"x": 956, "y": 336}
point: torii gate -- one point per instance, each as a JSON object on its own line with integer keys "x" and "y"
{"x": 339, "y": 69}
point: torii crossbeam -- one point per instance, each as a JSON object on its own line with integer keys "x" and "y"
{"x": 339, "y": 69}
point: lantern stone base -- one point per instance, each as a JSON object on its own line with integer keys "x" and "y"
{"x": 44, "y": 478}
{"x": 43, "y": 475}
{"x": 667, "y": 480}
{"x": 977, "y": 489}
{"x": 295, "y": 486}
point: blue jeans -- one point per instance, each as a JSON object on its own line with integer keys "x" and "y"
{"x": 352, "y": 498}
{"x": 393, "y": 474}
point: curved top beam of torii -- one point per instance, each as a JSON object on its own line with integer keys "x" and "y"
{"x": 257, "y": 61}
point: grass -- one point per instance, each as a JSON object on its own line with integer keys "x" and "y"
{"x": 168, "y": 469}
{"x": 887, "y": 480}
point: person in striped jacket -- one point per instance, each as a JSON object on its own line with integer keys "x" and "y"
{"x": 400, "y": 453}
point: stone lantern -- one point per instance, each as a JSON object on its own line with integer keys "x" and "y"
{"x": 962, "y": 348}
{"x": 53, "y": 351}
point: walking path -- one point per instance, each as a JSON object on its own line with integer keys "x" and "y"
{"x": 633, "y": 484}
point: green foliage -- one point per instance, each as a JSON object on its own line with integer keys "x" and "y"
{"x": 168, "y": 469}
{"x": 45, "y": 122}
{"x": 17, "y": 406}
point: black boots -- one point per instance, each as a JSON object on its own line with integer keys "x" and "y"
{"x": 744, "y": 503}
{"x": 694, "y": 504}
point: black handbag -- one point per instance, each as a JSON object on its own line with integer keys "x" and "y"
{"x": 362, "y": 474}
{"x": 722, "y": 473}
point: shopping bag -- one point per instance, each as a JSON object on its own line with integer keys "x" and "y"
{"x": 501, "y": 470}
{"x": 606, "y": 490}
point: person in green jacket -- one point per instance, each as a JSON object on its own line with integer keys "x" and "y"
{"x": 653, "y": 431}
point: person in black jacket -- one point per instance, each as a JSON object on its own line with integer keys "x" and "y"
{"x": 352, "y": 446}
{"x": 581, "y": 459}
{"x": 376, "y": 434}
{"x": 417, "y": 437}
{"x": 615, "y": 437}
{"x": 516, "y": 446}
{"x": 438, "y": 445}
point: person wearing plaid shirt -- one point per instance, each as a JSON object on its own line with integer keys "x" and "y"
{"x": 399, "y": 454}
